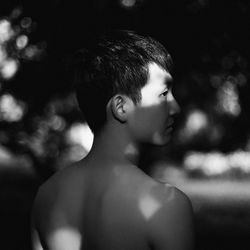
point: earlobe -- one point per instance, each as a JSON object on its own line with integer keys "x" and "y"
{"x": 118, "y": 108}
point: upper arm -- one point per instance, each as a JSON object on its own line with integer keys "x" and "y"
{"x": 62, "y": 238}
{"x": 172, "y": 226}
{"x": 52, "y": 228}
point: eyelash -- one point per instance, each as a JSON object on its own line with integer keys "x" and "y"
{"x": 165, "y": 93}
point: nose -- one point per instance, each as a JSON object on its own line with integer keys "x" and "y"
{"x": 174, "y": 107}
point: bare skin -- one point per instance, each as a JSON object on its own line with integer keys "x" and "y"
{"x": 105, "y": 201}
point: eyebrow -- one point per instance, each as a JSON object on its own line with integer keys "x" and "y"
{"x": 169, "y": 82}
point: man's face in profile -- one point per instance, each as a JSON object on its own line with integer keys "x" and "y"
{"x": 152, "y": 119}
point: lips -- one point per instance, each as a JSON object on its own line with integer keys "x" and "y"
{"x": 170, "y": 124}
{"x": 169, "y": 128}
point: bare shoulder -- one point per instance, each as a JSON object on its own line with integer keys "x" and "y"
{"x": 64, "y": 187}
{"x": 51, "y": 187}
{"x": 56, "y": 206}
{"x": 171, "y": 226}
{"x": 170, "y": 196}
{"x": 176, "y": 198}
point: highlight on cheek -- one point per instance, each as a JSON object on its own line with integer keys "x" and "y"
{"x": 150, "y": 96}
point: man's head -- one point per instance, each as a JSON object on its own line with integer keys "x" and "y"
{"x": 118, "y": 63}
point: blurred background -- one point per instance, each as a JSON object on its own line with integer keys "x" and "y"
{"x": 42, "y": 130}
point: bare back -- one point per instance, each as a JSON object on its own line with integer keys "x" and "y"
{"x": 83, "y": 207}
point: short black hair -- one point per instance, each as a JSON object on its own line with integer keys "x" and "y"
{"x": 117, "y": 62}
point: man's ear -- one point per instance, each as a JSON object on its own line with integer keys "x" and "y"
{"x": 120, "y": 106}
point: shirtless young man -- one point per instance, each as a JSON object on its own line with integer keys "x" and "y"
{"x": 105, "y": 202}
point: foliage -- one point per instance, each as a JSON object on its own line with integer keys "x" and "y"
{"x": 211, "y": 73}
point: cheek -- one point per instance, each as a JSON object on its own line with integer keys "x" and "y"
{"x": 140, "y": 125}
{"x": 146, "y": 123}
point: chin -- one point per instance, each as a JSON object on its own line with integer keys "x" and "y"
{"x": 160, "y": 140}
{"x": 163, "y": 143}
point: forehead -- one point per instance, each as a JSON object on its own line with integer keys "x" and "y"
{"x": 158, "y": 78}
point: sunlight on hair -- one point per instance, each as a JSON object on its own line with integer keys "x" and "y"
{"x": 148, "y": 206}
{"x": 11, "y": 110}
{"x": 9, "y": 68}
{"x": 66, "y": 238}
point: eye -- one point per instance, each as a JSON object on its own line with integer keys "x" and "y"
{"x": 165, "y": 93}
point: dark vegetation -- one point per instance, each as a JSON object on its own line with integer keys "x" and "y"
{"x": 209, "y": 42}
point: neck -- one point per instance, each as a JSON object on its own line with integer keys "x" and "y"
{"x": 114, "y": 145}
